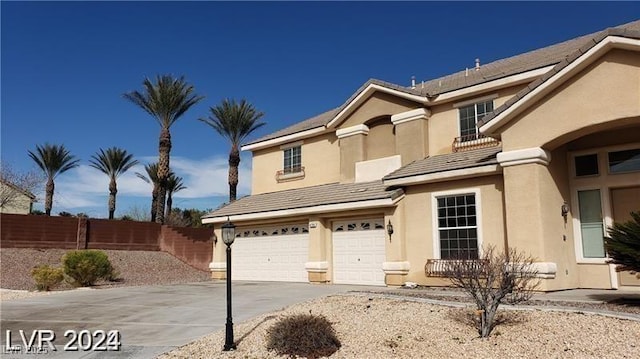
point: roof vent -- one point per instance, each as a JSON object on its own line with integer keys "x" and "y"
{"x": 477, "y": 64}
{"x": 413, "y": 82}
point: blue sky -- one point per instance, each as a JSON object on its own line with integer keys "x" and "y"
{"x": 65, "y": 66}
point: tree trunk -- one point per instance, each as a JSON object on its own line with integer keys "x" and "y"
{"x": 169, "y": 204}
{"x": 48, "y": 202}
{"x": 234, "y": 162}
{"x": 163, "y": 172}
{"x": 113, "y": 190}
{"x": 154, "y": 201}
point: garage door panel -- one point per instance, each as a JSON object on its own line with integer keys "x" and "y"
{"x": 270, "y": 257}
{"x": 358, "y": 252}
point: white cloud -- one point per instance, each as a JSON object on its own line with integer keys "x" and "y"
{"x": 84, "y": 187}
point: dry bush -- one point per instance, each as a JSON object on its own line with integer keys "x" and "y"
{"x": 496, "y": 277}
{"x": 303, "y": 335}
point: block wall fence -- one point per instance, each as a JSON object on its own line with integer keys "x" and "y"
{"x": 193, "y": 246}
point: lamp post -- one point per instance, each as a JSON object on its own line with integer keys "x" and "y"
{"x": 228, "y": 236}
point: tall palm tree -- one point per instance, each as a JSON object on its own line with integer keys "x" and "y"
{"x": 152, "y": 178}
{"x": 113, "y": 162}
{"x": 52, "y": 160}
{"x": 174, "y": 184}
{"x": 166, "y": 100}
{"x": 235, "y": 121}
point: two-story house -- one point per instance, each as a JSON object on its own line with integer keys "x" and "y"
{"x": 539, "y": 151}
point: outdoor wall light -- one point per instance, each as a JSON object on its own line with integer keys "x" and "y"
{"x": 564, "y": 210}
{"x": 228, "y": 236}
{"x": 389, "y": 229}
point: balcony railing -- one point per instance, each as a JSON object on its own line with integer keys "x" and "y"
{"x": 290, "y": 174}
{"x": 472, "y": 142}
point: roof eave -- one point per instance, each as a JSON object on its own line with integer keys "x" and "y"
{"x": 283, "y": 213}
{"x": 556, "y": 76}
{"x": 457, "y": 174}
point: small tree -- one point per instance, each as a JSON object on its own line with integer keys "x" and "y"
{"x": 496, "y": 276}
{"x": 623, "y": 245}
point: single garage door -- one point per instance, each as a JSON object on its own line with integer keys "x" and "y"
{"x": 358, "y": 252}
{"x": 276, "y": 253}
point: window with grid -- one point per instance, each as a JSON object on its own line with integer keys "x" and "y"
{"x": 469, "y": 117}
{"x": 457, "y": 227}
{"x": 292, "y": 160}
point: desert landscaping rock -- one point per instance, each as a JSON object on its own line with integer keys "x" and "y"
{"x": 371, "y": 327}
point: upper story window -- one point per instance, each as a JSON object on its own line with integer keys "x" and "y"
{"x": 469, "y": 117}
{"x": 292, "y": 159}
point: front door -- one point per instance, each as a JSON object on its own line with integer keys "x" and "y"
{"x": 623, "y": 202}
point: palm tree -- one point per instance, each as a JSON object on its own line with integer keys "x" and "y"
{"x": 174, "y": 184}
{"x": 235, "y": 121}
{"x": 166, "y": 100}
{"x": 113, "y": 163}
{"x": 52, "y": 160}
{"x": 152, "y": 177}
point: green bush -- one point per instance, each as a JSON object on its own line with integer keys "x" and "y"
{"x": 86, "y": 267}
{"x": 303, "y": 335}
{"x": 47, "y": 277}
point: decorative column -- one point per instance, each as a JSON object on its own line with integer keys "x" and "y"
{"x": 352, "y": 149}
{"x": 412, "y": 133}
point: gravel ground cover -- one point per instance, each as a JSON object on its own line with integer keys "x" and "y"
{"x": 134, "y": 268}
{"x": 374, "y": 327}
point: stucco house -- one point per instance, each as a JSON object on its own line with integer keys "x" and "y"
{"x": 14, "y": 199}
{"x": 539, "y": 151}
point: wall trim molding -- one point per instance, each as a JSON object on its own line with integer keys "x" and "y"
{"x": 524, "y": 156}
{"x": 417, "y": 114}
{"x": 352, "y": 131}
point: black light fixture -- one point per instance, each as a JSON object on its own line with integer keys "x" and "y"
{"x": 389, "y": 229}
{"x": 564, "y": 209}
{"x": 228, "y": 236}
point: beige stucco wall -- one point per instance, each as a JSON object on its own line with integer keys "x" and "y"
{"x": 412, "y": 140}
{"x": 418, "y": 225}
{"x": 380, "y": 141}
{"x": 320, "y": 157}
{"x": 18, "y": 204}
{"x": 604, "y": 95}
{"x": 444, "y": 124}
{"x": 379, "y": 104}
{"x": 594, "y": 276}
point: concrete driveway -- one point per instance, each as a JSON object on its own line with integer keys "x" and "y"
{"x": 150, "y": 319}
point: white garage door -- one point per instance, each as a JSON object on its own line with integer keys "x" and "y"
{"x": 358, "y": 252}
{"x": 271, "y": 254}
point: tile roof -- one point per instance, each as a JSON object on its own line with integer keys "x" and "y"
{"x": 630, "y": 32}
{"x": 333, "y": 193}
{"x": 447, "y": 162}
{"x": 539, "y": 58}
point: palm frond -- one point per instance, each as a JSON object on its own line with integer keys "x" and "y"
{"x": 113, "y": 162}
{"x": 53, "y": 159}
{"x": 234, "y": 120}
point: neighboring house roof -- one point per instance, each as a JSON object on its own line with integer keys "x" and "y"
{"x": 327, "y": 194}
{"x": 26, "y": 193}
{"x": 632, "y": 31}
{"x": 447, "y": 162}
{"x": 532, "y": 60}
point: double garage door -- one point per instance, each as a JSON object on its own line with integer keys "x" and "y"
{"x": 279, "y": 253}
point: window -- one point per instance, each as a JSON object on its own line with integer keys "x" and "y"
{"x": 586, "y": 165}
{"x": 624, "y": 161}
{"x": 469, "y": 117}
{"x": 458, "y": 227}
{"x": 292, "y": 160}
{"x": 591, "y": 228}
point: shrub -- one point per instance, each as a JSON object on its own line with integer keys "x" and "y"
{"x": 496, "y": 276}
{"x": 47, "y": 277}
{"x": 623, "y": 245}
{"x": 85, "y": 267}
{"x": 304, "y": 335}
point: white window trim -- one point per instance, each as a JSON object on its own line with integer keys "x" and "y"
{"x": 284, "y": 156}
{"x": 473, "y": 102}
{"x": 607, "y": 221}
{"x": 435, "y": 234}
